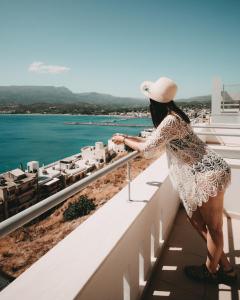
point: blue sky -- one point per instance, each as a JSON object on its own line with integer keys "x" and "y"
{"x": 111, "y": 46}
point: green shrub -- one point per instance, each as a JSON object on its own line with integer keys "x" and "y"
{"x": 83, "y": 206}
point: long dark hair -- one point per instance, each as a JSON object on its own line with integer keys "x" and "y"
{"x": 160, "y": 110}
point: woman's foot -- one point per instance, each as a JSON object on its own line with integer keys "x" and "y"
{"x": 227, "y": 276}
{"x": 201, "y": 273}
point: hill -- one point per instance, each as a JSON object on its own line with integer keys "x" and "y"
{"x": 201, "y": 99}
{"x": 27, "y": 95}
{"x": 105, "y": 99}
{"x": 35, "y": 94}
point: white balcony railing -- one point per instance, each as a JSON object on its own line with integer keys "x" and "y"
{"x": 110, "y": 256}
{"x": 29, "y": 214}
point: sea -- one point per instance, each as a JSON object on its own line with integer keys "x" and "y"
{"x": 46, "y": 138}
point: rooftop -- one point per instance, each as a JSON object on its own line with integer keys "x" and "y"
{"x": 21, "y": 177}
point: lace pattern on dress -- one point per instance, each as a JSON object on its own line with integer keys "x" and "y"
{"x": 196, "y": 171}
{"x": 166, "y": 131}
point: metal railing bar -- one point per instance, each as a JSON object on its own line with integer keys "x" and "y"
{"x": 27, "y": 215}
{"x": 229, "y": 111}
{"x": 217, "y": 134}
{"x": 129, "y": 180}
{"x": 217, "y": 127}
{"x": 230, "y": 104}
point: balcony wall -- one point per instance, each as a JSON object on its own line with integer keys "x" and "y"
{"x": 228, "y": 118}
{"x": 231, "y": 202}
{"x": 111, "y": 254}
{"x": 228, "y": 145}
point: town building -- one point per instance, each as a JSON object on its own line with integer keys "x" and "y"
{"x": 98, "y": 153}
{"x": 146, "y": 132}
{"x": 118, "y": 148}
{"x": 18, "y": 190}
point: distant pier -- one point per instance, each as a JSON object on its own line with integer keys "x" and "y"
{"x": 107, "y": 124}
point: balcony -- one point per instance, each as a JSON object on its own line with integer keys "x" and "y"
{"x": 131, "y": 248}
{"x": 185, "y": 247}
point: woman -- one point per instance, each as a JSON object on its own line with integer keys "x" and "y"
{"x": 198, "y": 173}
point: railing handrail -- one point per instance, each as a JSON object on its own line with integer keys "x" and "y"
{"x": 218, "y": 134}
{"x": 228, "y": 104}
{"x": 215, "y": 127}
{"x": 9, "y": 225}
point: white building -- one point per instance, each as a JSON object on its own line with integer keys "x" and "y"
{"x": 32, "y": 166}
{"x": 118, "y": 148}
{"x": 97, "y": 152}
{"x": 146, "y": 132}
{"x": 225, "y": 102}
{"x": 51, "y": 171}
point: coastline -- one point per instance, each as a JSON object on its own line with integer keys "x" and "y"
{"x": 100, "y": 115}
{"x": 41, "y": 131}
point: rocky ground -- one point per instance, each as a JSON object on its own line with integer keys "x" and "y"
{"x": 22, "y": 248}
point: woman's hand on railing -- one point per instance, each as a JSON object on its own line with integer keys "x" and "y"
{"x": 118, "y": 138}
{"x": 136, "y": 143}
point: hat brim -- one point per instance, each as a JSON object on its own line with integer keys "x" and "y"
{"x": 163, "y": 91}
{"x": 145, "y": 88}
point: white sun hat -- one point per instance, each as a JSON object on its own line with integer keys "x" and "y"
{"x": 163, "y": 90}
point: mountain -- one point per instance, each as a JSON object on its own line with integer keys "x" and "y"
{"x": 35, "y": 94}
{"x": 105, "y": 99}
{"x": 202, "y": 99}
{"x": 61, "y": 95}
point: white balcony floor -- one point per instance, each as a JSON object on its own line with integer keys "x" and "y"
{"x": 185, "y": 247}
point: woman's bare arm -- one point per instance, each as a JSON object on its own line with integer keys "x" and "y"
{"x": 168, "y": 129}
{"x": 134, "y": 143}
{"x": 137, "y": 138}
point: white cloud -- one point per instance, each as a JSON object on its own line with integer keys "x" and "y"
{"x": 40, "y": 67}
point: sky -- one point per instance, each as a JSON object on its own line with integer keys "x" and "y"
{"x": 111, "y": 46}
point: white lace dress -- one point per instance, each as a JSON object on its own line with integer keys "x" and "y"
{"x": 196, "y": 171}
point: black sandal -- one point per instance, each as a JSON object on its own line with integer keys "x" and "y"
{"x": 225, "y": 277}
{"x": 201, "y": 273}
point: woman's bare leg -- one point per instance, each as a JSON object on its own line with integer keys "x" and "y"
{"x": 199, "y": 224}
{"x": 212, "y": 214}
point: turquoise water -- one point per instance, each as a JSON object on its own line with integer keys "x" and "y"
{"x": 46, "y": 138}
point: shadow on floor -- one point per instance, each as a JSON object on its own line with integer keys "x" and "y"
{"x": 186, "y": 247}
